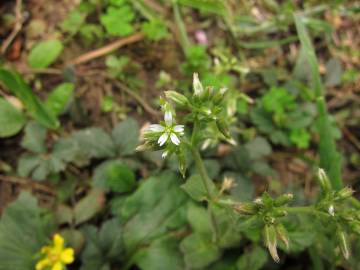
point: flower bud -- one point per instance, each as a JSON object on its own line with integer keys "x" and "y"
{"x": 279, "y": 213}
{"x": 283, "y": 199}
{"x": 182, "y": 163}
{"x": 197, "y": 86}
{"x": 223, "y": 128}
{"x": 324, "y": 180}
{"x": 345, "y": 193}
{"x": 283, "y": 235}
{"x": 177, "y": 98}
{"x": 331, "y": 210}
{"x": 270, "y": 239}
{"x": 246, "y": 208}
{"x": 342, "y": 241}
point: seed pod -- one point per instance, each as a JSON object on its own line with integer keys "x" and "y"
{"x": 344, "y": 193}
{"x": 283, "y": 199}
{"x": 177, "y": 98}
{"x": 283, "y": 235}
{"x": 342, "y": 241}
{"x": 270, "y": 239}
{"x": 221, "y": 125}
{"x": 324, "y": 180}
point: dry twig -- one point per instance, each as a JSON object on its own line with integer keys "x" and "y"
{"x": 106, "y": 49}
{"x": 16, "y": 29}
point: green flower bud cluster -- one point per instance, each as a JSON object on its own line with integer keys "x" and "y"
{"x": 269, "y": 211}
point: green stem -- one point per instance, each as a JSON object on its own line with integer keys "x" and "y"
{"x": 304, "y": 210}
{"x": 202, "y": 172}
{"x": 316, "y": 259}
{"x": 184, "y": 40}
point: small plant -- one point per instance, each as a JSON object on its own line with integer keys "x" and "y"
{"x": 278, "y": 115}
{"x": 206, "y": 121}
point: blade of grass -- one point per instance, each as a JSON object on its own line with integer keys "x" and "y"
{"x": 184, "y": 39}
{"x": 330, "y": 158}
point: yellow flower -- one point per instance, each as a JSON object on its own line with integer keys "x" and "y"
{"x": 55, "y": 256}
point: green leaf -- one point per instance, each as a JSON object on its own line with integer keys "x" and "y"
{"x": 199, "y": 219}
{"x": 213, "y": 6}
{"x": 19, "y": 88}
{"x": 117, "y": 20}
{"x": 156, "y": 208}
{"x": 258, "y": 148}
{"x": 195, "y": 188}
{"x": 44, "y": 53}
{"x": 162, "y": 254}
{"x": 154, "y": 30}
{"x": 73, "y": 238}
{"x": 120, "y": 178}
{"x": 89, "y": 206}
{"x": 23, "y": 232}
{"x": 126, "y": 136}
{"x": 12, "y": 120}
{"x": 59, "y": 98}
{"x": 34, "y": 139}
{"x": 95, "y": 143}
{"x": 254, "y": 259}
{"x": 102, "y": 246}
{"x": 114, "y": 175}
{"x": 244, "y": 188}
{"x": 199, "y": 251}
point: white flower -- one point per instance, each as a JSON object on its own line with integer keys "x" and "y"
{"x": 331, "y": 210}
{"x": 169, "y": 130}
{"x": 198, "y": 88}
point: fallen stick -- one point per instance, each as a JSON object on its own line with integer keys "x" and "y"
{"x": 106, "y": 49}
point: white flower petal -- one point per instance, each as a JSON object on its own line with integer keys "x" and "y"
{"x": 156, "y": 128}
{"x": 198, "y": 88}
{"x": 179, "y": 128}
{"x": 163, "y": 138}
{"x": 168, "y": 118}
{"x": 174, "y": 139}
{"x": 164, "y": 155}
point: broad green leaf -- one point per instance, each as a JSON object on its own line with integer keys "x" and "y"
{"x": 254, "y": 259}
{"x": 115, "y": 176}
{"x": 199, "y": 219}
{"x": 156, "y": 208}
{"x": 44, "y": 53}
{"x": 34, "y": 139}
{"x": 155, "y": 30}
{"x": 103, "y": 246}
{"x": 27, "y": 164}
{"x": 195, "y": 188}
{"x": 89, "y": 206}
{"x": 59, "y": 98}
{"x": 11, "y": 119}
{"x": 126, "y": 136}
{"x": 162, "y": 254}
{"x": 258, "y": 148}
{"x": 95, "y": 143}
{"x": 118, "y": 20}
{"x": 19, "y": 88}
{"x": 244, "y": 188}
{"x": 199, "y": 251}
{"x": 23, "y": 232}
{"x": 73, "y": 238}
